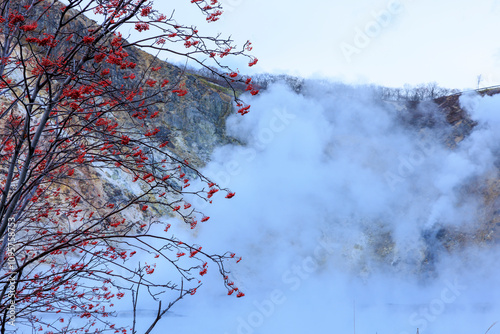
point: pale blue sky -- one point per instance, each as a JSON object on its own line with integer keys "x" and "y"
{"x": 450, "y": 42}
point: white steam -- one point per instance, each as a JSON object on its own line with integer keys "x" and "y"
{"x": 345, "y": 210}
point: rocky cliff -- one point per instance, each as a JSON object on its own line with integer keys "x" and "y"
{"x": 193, "y": 124}
{"x": 485, "y": 229}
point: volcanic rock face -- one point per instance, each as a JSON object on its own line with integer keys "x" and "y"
{"x": 448, "y": 113}
{"x": 193, "y": 124}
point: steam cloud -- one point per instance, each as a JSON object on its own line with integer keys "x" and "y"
{"x": 350, "y": 210}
